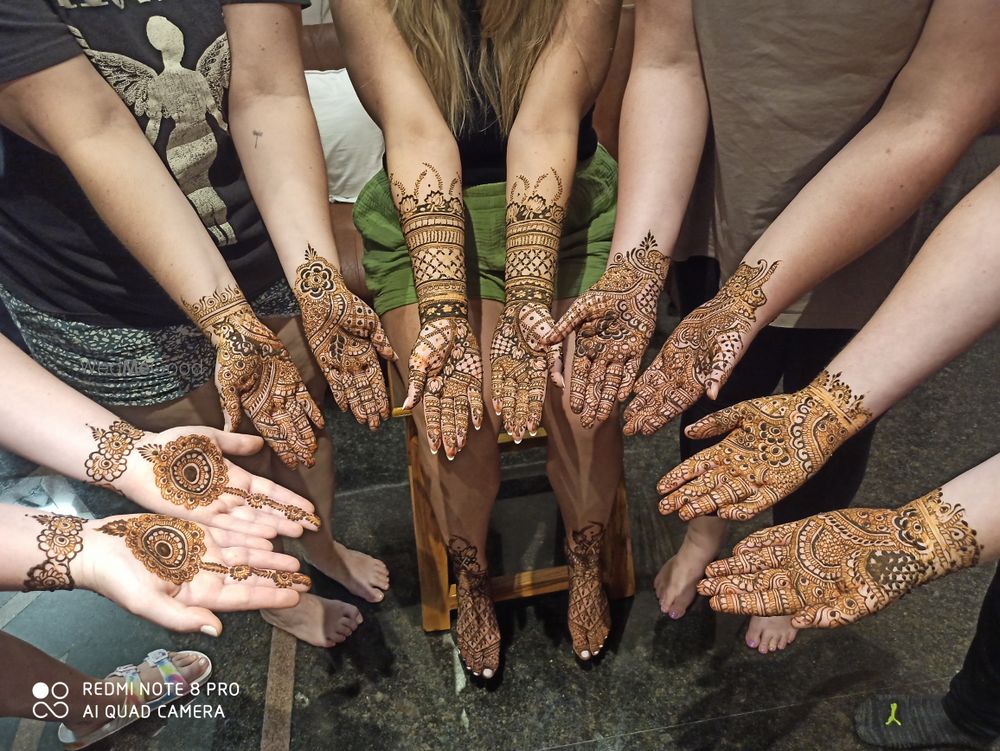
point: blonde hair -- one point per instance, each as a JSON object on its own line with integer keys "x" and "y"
{"x": 513, "y": 34}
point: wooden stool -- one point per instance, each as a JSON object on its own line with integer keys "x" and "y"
{"x": 438, "y": 598}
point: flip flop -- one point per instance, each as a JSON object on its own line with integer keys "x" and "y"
{"x": 176, "y": 687}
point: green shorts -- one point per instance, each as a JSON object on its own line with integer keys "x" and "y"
{"x": 583, "y": 250}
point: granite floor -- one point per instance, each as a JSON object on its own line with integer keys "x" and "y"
{"x": 661, "y": 684}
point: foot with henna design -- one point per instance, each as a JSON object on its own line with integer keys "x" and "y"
{"x": 770, "y": 634}
{"x": 362, "y": 575}
{"x": 676, "y": 582}
{"x": 316, "y": 620}
{"x": 589, "y": 614}
{"x": 476, "y": 633}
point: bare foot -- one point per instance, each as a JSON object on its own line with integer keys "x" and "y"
{"x": 362, "y": 575}
{"x": 315, "y": 620}
{"x": 589, "y": 615}
{"x": 188, "y": 664}
{"x": 676, "y": 581}
{"x": 770, "y": 634}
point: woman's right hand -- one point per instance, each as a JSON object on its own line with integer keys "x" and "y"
{"x": 446, "y": 372}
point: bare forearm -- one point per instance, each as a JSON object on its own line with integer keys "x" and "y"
{"x": 978, "y": 492}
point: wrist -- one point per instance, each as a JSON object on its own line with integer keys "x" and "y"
{"x": 433, "y": 310}
{"x": 211, "y": 312}
{"x": 940, "y": 533}
{"x": 60, "y": 542}
{"x": 316, "y": 277}
{"x": 837, "y": 397}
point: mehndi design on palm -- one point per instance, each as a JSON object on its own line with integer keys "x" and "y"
{"x": 832, "y": 569}
{"x": 346, "y": 338}
{"x": 776, "y": 443}
{"x": 445, "y": 367}
{"x": 614, "y": 321}
{"x": 253, "y": 371}
{"x": 700, "y": 353}
{"x": 519, "y": 353}
{"x": 191, "y": 472}
{"x": 174, "y": 550}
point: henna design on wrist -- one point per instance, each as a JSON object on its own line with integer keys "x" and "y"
{"x": 589, "y": 613}
{"x": 114, "y": 444}
{"x": 832, "y": 569}
{"x": 60, "y": 540}
{"x": 534, "y": 227}
{"x": 776, "y": 444}
{"x": 477, "y": 632}
{"x": 433, "y": 223}
{"x": 700, "y": 351}
{"x": 191, "y": 471}
{"x": 255, "y": 372}
{"x": 173, "y": 550}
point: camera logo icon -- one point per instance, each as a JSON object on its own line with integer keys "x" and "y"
{"x": 50, "y": 705}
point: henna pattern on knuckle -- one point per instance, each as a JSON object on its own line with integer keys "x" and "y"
{"x": 255, "y": 373}
{"x": 589, "y": 614}
{"x": 838, "y": 567}
{"x": 60, "y": 540}
{"x": 702, "y": 347}
{"x": 174, "y": 549}
{"x": 477, "y": 632}
{"x": 114, "y": 444}
{"x": 191, "y": 471}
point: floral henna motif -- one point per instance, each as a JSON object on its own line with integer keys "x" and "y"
{"x": 477, "y": 632}
{"x": 614, "y": 320}
{"x": 835, "y": 568}
{"x": 519, "y": 353}
{"x": 114, "y": 444}
{"x": 60, "y": 540}
{"x": 173, "y": 550}
{"x": 776, "y": 444}
{"x": 589, "y": 614}
{"x": 253, "y": 371}
{"x": 700, "y": 352}
{"x": 190, "y": 471}
{"x": 346, "y": 338}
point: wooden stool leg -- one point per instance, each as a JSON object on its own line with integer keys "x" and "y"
{"x": 432, "y": 555}
{"x": 619, "y": 572}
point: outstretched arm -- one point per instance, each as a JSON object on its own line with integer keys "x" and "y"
{"x": 71, "y": 111}
{"x": 776, "y": 443}
{"x": 946, "y": 94}
{"x": 664, "y": 120}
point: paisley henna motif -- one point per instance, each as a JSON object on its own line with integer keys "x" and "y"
{"x": 519, "y": 354}
{"x": 589, "y": 614}
{"x": 477, "y": 633}
{"x": 346, "y": 338}
{"x": 60, "y": 540}
{"x": 114, "y": 444}
{"x": 191, "y": 471}
{"x": 776, "y": 444}
{"x": 253, "y": 371}
{"x": 835, "y": 568}
{"x": 700, "y": 351}
{"x": 173, "y": 550}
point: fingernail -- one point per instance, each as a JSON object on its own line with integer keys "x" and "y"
{"x": 209, "y": 631}
{"x": 434, "y": 451}
{"x": 451, "y": 457}
{"x": 532, "y": 433}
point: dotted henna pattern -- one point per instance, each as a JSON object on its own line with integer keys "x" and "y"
{"x": 60, "y": 540}
{"x": 114, "y": 444}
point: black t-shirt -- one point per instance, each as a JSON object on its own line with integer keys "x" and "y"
{"x": 482, "y": 146}
{"x": 169, "y": 62}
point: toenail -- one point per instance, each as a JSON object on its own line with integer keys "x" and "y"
{"x": 673, "y": 614}
{"x": 487, "y": 673}
{"x": 585, "y": 655}
{"x": 752, "y": 643}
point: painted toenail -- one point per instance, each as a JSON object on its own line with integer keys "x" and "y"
{"x": 585, "y": 655}
{"x": 487, "y": 673}
{"x": 674, "y": 615}
{"x": 752, "y": 643}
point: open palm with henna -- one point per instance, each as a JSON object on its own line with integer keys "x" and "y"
{"x": 832, "y": 569}
{"x": 254, "y": 372}
{"x": 613, "y": 320}
{"x": 776, "y": 443}
{"x": 520, "y": 361}
{"x": 700, "y": 353}
{"x": 446, "y": 372}
{"x": 346, "y": 338}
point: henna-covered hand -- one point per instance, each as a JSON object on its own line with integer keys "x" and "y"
{"x": 254, "y": 372}
{"x": 776, "y": 444}
{"x": 519, "y": 353}
{"x": 613, "y": 320}
{"x": 346, "y": 338}
{"x": 700, "y": 353}
{"x": 170, "y": 571}
{"x": 182, "y": 472}
{"x": 835, "y": 568}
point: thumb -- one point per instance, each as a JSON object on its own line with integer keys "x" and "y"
{"x": 381, "y": 342}
{"x": 232, "y": 412}
{"x": 569, "y": 322}
{"x": 723, "y": 362}
{"x": 555, "y": 362}
{"x": 716, "y": 423}
{"x": 237, "y": 444}
{"x": 173, "y": 615}
{"x": 417, "y": 379}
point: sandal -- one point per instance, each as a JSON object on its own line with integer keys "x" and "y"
{"x": 175, "y": 684}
